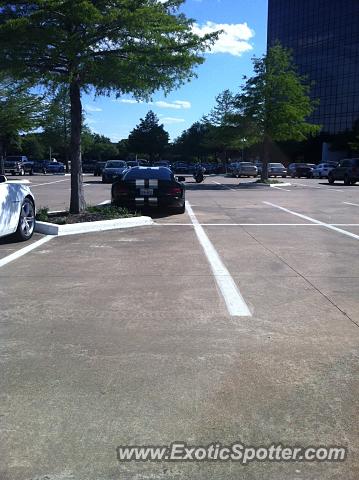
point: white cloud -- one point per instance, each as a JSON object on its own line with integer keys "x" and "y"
{"x": 128, "y": 100}
{"x": 177, "y": 104}
{"x": 234, "y": 39}
{"x": 92, "y": 108}
{"x": 171, "y": 120}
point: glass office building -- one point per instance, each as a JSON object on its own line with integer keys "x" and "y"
{"x": 324, "y": 38}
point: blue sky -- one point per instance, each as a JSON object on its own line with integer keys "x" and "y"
{"x": 245, "y": 24}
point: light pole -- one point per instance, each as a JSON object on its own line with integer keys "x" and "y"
{"x": 243, "y": 142}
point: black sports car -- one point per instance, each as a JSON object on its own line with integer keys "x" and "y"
{"x": 149, "y": 187}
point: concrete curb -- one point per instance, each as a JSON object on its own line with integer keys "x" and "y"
{"x": 87, "y": 227}
{"x": 284, "y": 184}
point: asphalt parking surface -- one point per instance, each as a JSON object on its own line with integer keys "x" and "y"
{"x": 124, "y": 337}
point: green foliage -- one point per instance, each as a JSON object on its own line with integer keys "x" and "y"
{"x": 122, "y": 46}
{"x": 97, "y": 147}
{"x": 148, "y": 137}
{"x": 42, "y": 214}
{"x": 275, "y": 102}
{"x": 57, "y": 123}
{"x": 192, "y": 142}
{"x": 20, "y": 111}
{"x": 33, "y": 146}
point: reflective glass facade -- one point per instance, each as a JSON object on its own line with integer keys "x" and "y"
{"x": 324, "y": 37}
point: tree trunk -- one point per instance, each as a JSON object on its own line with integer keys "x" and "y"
{"x": 77, "y": 204}
{"x": 266, "y": 157}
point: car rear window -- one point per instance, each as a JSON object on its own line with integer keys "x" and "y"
{"x": 161, "y": 173}
{"x": 116, "y": 164}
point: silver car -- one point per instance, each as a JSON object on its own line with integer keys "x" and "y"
{"x": 245, "y": 169}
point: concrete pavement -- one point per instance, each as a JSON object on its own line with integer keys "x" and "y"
{"x": 123, "y": 338}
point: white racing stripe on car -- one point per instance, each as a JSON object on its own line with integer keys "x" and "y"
{"x": 24, "y": 251}
{"x": 235, "y": 303}
{"x": 140, "y": 201}
{"x": 153, "y": 200}
{"x": 140, "y": 183}
{"x": 153, "y": 183}
{"x": 318, "y": 222}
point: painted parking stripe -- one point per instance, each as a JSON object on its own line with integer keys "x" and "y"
{"x": 318, "y": 222}
{"x": 280, "y": 188}
{"x": 353, "y": 204}
{"x": 24, "y": 251}
{"x": 259, "y": 224}
{"x": 225, "y": 186}
{"x": 48, "y": 183}
{"x": 235, "y": 303}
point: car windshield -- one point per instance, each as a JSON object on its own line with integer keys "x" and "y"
{"x": 143, "y": 173}
{"x": 115, "y": 164}
{"x": 277, "y": 165}
{"x": 247, "y": 164}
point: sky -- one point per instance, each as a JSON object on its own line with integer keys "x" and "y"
{"x": 245, "y": 26}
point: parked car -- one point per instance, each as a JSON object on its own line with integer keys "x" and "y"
{"x": 181, "y": 167}
{"x": 323, "y": 169}
{"x": 133, "y": 163}
{"x": 98, "y": 169}
{"x": 54, "y": 167}
{"x": 277, "y": 170}
{"x": 245, "y": 169}
{"x": 88, "y": 166}
{"x": 17, "y": 210}
{"x": 113, "y": 170}
{"x": 162, "y": 163}
{"x": 18, "y": 165}
{"x": 154, "y": 187}
{"x": 259, "y": 166}
{"x": 302, "y": 170}
{"x": 347, "y": 170}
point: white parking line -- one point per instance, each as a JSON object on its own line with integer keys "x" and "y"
{"x": 280, "y": 188}
{"x": 24, "y": 251}
{"x": 353, "y": 204}
{"x": 318, "y": 222}
{"x": 236, "y": 305}
{"x": 105, "y": 202}
{"x": 225, "y": 186}
{"x": 48, "y": 183}
{"x": 258, "y": 224}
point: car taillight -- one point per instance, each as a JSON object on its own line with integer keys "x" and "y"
{"x": 175, "y": 191}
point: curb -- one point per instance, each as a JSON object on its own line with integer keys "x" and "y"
{"x": 88, "y": 227}
{"x": 284, "y": 184}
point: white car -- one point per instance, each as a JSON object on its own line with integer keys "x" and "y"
{"x": 323, "y": 169}
{"x": 17, "y": 209}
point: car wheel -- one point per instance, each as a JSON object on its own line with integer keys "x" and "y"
{"x": 181, "y": 210}
{"x": 26, "y": 225}
{"x": 353, "y": 182}
{"x": 22, "y": 172}
{"x": 331, "y": 179}
{"x": 347, "y": 180}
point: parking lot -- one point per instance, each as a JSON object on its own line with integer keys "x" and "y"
{"x": 132, "y": 337}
